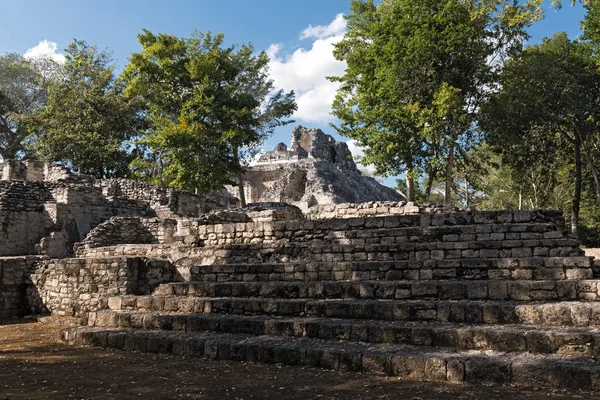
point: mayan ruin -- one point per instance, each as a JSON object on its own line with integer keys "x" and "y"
{"x": 426, "y": 293}
{"x": 332, "y": 200}
{"x": 314, "y": 170}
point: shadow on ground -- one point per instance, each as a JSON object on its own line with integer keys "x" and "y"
{"x": 33, "y": 365}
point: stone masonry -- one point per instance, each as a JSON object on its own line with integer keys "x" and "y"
{"x": 420, "y": 293}
{"x": 314, "y": 170}
{"x": 46, "y": 209}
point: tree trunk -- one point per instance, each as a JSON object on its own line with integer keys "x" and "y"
{"x": 577, "y": 194}
{"x": 240, "y": 179}
{"x": 410, "y": 182}
{"x": 596, "y": 183}
{"x": 449, "y": 175}
{"x": 432, "y": 175}
{"x": 8, "y": 154}
{"x": 410, "y": 189}
{"x": 241, "y": 190}
{"x": 466, "y": 192}
{"x": 595, "y": 174}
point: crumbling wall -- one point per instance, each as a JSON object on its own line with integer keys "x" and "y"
{"x": 266, "y": 212}
{"x": 133, "y": 230}
{"x": 73, "y": 286}
{"x": 13, "y": 285}
{"x": 41, "y": 199}
{"x": 377, "y": 209}
{"x": 130, "y": 230}
{"x": 315, "y": 169}
{"x": 23, "y": 217}
{"x": 34, "y": 171}
{"x": 519, "y": 245}
{"x": 164, "y": 202}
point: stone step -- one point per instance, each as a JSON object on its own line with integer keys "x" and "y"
{"x": 336, "y": 268}
{"x": 584, "y": 290}
{"x": 511, "y": 338}
{"x": 431, "y": 227}
{"x": 464, "y": 311}
{"x": 419, "y": 250}
{"x": 543, "y": 237}
{"x": 377, "y": 248}
{"x": 406, "y": 362}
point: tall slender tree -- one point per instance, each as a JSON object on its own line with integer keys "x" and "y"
{"x": 417, "y": 74}
{"x": 550, "y": 99}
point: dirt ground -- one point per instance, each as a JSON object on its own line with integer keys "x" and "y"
{"x": 34, "y": 365}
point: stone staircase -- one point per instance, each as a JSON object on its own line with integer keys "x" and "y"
{"x": 416, "y": 301}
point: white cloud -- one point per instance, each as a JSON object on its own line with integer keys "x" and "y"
{"x": 335, "y": 28}
{"x": 357, "y": 152}
{"x": 305, "y": 71}
{"x": 45, "y": 49}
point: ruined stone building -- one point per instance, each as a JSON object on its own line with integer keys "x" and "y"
{"x": 45, "y": 209}
{"x": 420, "y": 293}
{"x": 314, "y": 170}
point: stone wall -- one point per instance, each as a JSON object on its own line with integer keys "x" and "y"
{"x": 130, "y": 230}
{"x": 73, "y": 286}
{"x": 467, "y": 226}
{"x": 537, "y": 231}
{"x": 122, "y": 230}
{"x": 35, "y": 171}
{"x": 42, "y": 199}
{"x": 264, "y": 212}
{"x": 24, "y": 218}
{"x": 512, "y": 245}
{"x": 377, "y": 209}
{"x": 13, "y": 285}
{"x": 164, "y": 202}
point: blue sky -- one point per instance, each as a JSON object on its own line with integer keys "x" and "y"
{"x": 297, "y": 33}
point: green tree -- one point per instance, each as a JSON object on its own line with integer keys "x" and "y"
{"x": 591, "y": 24}
{"x": 537, "y": 182}
{"x": 87, "y": 121}
{"x": 417, "y": 74}
{"x": 208, "y": 105}
{"x": 23, "y": 91}
{"x": 549, "y": 103}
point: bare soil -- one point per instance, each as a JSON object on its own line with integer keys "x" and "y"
{"x": 34, "y": 365}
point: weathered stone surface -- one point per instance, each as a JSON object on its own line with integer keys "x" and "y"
{"x": 314, "y": 170}
{"x": 37, "y": 200}
{"x": 72, "y": 287}
{"x": 405, "y": 362}
{"x": 429, "y": 293}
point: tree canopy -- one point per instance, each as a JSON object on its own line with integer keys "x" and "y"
{"x": 417, "y": 74}
{"x": 206, "y": 104}
{"x": 549, "y": 103}
{"x": 23, "y": 91}
{"x": 86, "y": 120}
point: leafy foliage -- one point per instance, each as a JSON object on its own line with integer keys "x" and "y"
{"x": 549, "y": 106}
{"x": 417, "y": 74}
{"x": 206, "y": 104}
{"x": 23, "y": 91}
{"x": 87, "y": 121}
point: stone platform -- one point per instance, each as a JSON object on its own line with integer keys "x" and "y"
{"x": 480, "y": 297}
